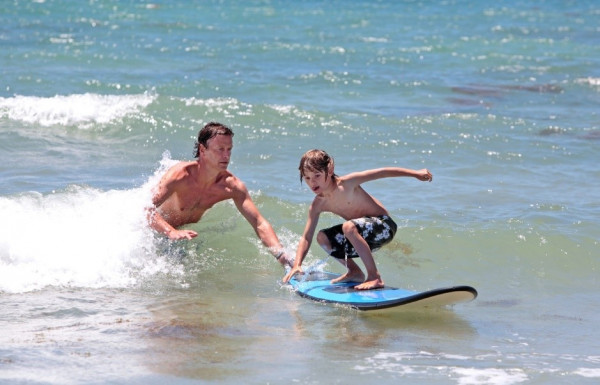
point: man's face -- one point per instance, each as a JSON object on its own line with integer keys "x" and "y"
{"x": 218, "y": 152}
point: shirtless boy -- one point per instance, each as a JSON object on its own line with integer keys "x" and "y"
{"x": 368, "y": 225}
{"x": 188, "y": 189}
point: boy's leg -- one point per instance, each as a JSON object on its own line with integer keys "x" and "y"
{"x": 354, "y": 273}
{"x": 323, "y": 241}
{"x": 373, "y": 280}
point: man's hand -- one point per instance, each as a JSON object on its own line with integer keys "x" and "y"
{"x": 176, "y": 235}
{"x": 285, "y": 260}
{"x": 291, "y": 273}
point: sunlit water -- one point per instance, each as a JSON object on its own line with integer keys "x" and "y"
{"x": 498, "y": 100}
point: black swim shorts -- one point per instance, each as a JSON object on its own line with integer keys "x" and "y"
{"x": 377, "y": 231}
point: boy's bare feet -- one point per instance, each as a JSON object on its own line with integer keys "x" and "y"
{"x": 356, "y": 276}
{"x": 370, "y": 285}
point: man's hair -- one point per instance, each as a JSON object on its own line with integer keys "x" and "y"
{"x": 315, "y": 160}
{"x": 208, "y": 132}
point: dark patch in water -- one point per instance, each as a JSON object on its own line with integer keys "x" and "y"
{"x": 560, "y": 317}
{"x": 539, "y": 88}
{"x": 487, "y": 91}
{"x": 499, "y": 303}
{"x": 467, "y": 102}
{"x": 593, "y": 135}
{"x": 552, "y": 131}
{"x": 473, "y": 90}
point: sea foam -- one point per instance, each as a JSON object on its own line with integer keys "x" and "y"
{"x": 77, "y": 109}
{"x": 78, "y": 237}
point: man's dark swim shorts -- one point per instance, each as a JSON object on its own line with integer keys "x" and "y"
{"x": 377, "y": 231}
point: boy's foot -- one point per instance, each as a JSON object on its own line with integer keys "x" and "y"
{"x": 350, "y": 277}
{"x": 370, "y": 285}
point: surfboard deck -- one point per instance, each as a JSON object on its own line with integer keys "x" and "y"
{"x": 316, "y": 285}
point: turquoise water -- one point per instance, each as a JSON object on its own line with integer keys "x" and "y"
{"x": 498, "y": 99}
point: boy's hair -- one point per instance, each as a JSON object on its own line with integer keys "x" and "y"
{"x": 208, "y": 132}
{"x": 315, "y": 160}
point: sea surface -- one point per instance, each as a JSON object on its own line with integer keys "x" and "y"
{"x": 498, "y": 99}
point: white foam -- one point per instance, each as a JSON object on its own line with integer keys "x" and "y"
{"x": 80, "y": 237}
{"x": 78, "y": 109}
{"x": 222, "y": 106}
{"x": 468, "y": 376}
{"x": 588, "y": 372}
{"x": 425, "y": 363}
{"x": 588, "y": 81}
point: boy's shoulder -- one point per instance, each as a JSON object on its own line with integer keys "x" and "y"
{"x": 318, "y": 203}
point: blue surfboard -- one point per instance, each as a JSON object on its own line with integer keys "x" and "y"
{"x": 316, "y": 285}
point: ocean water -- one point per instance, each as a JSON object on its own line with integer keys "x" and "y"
{"x": 498, "y": 99}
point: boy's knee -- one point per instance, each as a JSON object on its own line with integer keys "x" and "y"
{"x": 349, "y": 227}
{"x": 322, "y": 239}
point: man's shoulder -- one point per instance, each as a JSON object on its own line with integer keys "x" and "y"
{"x": 181, "y": 165}
{"x": 233, "y": 181}
{"x": 179, "y": 171}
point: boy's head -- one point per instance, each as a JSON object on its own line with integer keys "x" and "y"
{"x": 208, "y": 132}
{"x": 316, "y": 161}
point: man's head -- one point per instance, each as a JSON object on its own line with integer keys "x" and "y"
{"x": 208, "y": 132}
{"x": 316, "y": 161}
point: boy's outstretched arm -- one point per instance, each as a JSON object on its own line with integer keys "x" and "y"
{"x": 305, "y": 241}
{"x": 361, "y": 177}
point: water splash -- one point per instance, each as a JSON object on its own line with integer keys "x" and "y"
{"x": 79, "y": 237}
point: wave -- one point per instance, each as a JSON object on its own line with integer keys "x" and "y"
{"x": 77, "y": 109}
{"x": 591, "y": 81}
{"x": 79, "y": 237}
{"x": 85, "y": 237}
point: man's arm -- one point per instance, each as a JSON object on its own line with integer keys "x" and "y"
{"x": 162, "y": 192}
{"x": 261, "y": 226}
{"x": 159, "y": 223}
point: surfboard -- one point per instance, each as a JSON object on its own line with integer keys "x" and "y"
{"x": 316, "y": 285}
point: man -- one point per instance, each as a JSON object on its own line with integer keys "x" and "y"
{"x": 188, "y": 189}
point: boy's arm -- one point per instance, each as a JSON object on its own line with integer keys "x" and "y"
{"x": 261, "y": 226}
{"x": 305, "y": 241}
{"x": 361, "y": 177}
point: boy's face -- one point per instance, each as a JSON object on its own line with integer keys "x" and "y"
{"x": 318, "y": 181}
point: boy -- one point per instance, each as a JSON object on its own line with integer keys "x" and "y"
{"x": 368, "y": 225}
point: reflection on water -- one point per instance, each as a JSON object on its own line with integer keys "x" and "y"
{"x": 196, "y": 337}
{"x": 243, "y": 332}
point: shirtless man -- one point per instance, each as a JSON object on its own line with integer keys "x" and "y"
{"x": 367, "y": 225}
{"x": 188, "y": 189}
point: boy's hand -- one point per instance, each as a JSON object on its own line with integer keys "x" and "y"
{"x": 424, "y": 175}
{"x": 291, "y": 273}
